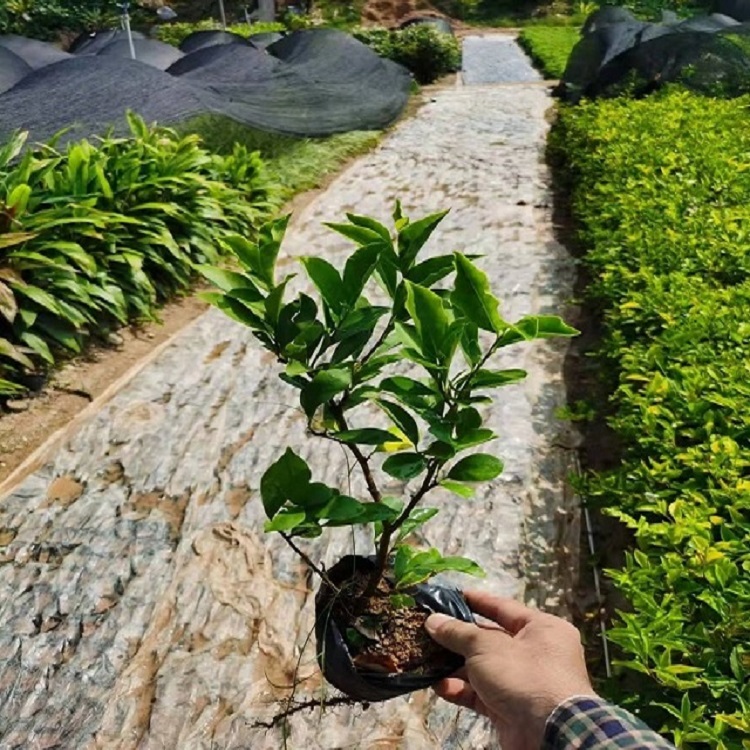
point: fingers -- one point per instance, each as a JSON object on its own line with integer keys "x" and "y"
{"x": 511, "y": 615}
{"x": 463, "y": 638}
{"x": 460, "y": 692}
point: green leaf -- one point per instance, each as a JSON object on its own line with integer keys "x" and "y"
{"x": 9, "y": 351}
{"x": 358, "y": 269}
{"x": 274, "y": 302}
{"x": 457, "y": 488}
{"x": 285, "y": 520}
{"x": 371, "y": 224}
{"x": 270, "y": 237}
{"x": 226, "y": 280}
{"x": 284, "y": 480}
{"x": 479, "y": 467}
{"x": 470, "y": 438}
{"x": 432, "y": 270}
{"x": 360, "y": 234}
{"x": 431, "y": 321}
{"x": 402, "y": 601}
{"x": 364, "y": 436}
{"x": 412, "y": 238}
{"x": 544, "y": 326}
{"x": 328, "y": 282}
{"x": 8, "y": 304}
{"x": 496, "y": 378}
{"x": 402, "y": 419}
{"x": 38, "y": 345}
{"x": 10, "y": 239}
{"x": 418, "y": 517}
{"x": 472, "y": 295}
{"x": 323, "y": 387}
{"x": 404, "y": 466}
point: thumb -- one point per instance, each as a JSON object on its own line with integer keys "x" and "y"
{"x": 455, "y": 635}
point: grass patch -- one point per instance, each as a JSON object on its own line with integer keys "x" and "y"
{"x": 549, "y": 47}
{"x": 292, "y": 164}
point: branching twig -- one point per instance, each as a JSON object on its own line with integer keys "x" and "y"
{"x": 309, "y": 562}
{"x": 284, "y": 715}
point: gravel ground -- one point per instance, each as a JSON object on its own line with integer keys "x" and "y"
{"x": 495, "y": 59}
{"x": 141, "y": 606}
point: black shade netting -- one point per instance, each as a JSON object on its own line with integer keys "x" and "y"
{"x": 34, "y": 53}
{"x": 335, "y": 657}
{"x": 91, "y": 43}
{"x": 738, "y": 9}
{"x": 265, "y": 38}
{"x": 200, "y": 39}
{"x": 12, "y": 69}
{"x": 620, "y": 55}
{"x": 148, "y": 51}
{"x": 320, "y": 82}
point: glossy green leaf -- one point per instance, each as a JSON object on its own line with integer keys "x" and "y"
{"x": 463, "y": 490}
{"x": 404, "y": 466}
{"x": 364, "y": 436}
{"x": 479, "y": 467}
{"x": 324, "y": 386}
{"x": 472, "y": 295}
{"x": 328, "y": 282}
{"x": 412, "y": 238}
{"x": 285, "y": 479}
{"x": 402, "y": 419}
{"x": 431, "y": 321}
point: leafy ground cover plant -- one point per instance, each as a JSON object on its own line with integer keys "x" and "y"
{"x": 344, "y": 352}
{"x": 549, "y": 47}
{"x": 99, "y": 234}
{"x": 424, "y": 50}
{"x": 661, "y": 201}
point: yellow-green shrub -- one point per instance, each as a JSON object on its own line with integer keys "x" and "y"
{"x": 661, "y": 201}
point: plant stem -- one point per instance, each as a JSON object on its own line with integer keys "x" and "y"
{"x": 359, "y": 457}
{"x": 310, "y": 563}
{"x": 384, "y": 546}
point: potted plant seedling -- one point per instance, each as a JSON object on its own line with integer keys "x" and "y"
{"x": 399, "y": 384}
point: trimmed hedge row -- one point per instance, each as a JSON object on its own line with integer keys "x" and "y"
{"x": 99, "y": 234}
{"x": 661, "y": 202}
{"x": 549, "y": 47}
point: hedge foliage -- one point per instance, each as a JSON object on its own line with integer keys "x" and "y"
{"x": 428, "y": 53}
{"x": 661, "y": 200}
{"x": 549, "y": 47}
{"x": 100, "y": 233}
{"x": 175, "y": 33}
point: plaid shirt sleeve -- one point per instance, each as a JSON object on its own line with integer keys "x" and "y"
{"x": 594, "y": 724}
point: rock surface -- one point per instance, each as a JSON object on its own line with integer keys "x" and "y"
{"x": 140, "y": 604}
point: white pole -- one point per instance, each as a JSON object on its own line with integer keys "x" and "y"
{"x": 128, "y": 30}
{"x": 223, "y": 15}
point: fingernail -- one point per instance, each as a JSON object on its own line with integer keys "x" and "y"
{"x": 435, "y": 621}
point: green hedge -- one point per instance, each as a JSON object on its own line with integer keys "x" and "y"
{"x": 100, "y": 233}
{"x": 428, "y": 53}
{"x": 549, "y": 47}
{"x": 661, "y": 200}
{"x": 175, "y": 33}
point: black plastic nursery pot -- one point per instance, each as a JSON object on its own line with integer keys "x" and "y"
{"x": 334, "y": 654}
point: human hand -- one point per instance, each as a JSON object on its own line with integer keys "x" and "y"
{"x": 519, "y": 666}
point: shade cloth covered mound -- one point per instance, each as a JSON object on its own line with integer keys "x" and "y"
{"x": 620, "y": 54}
{"x": 209, "y": 38}
{"x": 149, "y": 51}
{"x": 312, "y": 83}
{"x": 12, "y": 69}
{"x": 34, "y": 53}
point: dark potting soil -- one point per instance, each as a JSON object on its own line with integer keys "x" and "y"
{"x": 384, "y": 636}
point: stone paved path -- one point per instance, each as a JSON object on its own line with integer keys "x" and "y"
{"x": 495, "y": 59}
{"x": 140, "y": 605}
